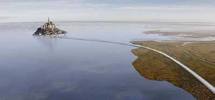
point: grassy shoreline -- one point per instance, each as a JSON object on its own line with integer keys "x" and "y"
{"x": 199, "y": 56}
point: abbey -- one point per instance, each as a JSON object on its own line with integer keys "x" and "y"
{"x": 49, "y": 28}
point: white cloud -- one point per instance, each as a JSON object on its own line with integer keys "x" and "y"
{"x": 75, "y": 10}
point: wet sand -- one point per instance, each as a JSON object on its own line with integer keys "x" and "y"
{"x": 191, "y": 34}
{"x": 184, "y": 31}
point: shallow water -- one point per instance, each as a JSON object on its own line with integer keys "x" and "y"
{"x": 57, "y": 69}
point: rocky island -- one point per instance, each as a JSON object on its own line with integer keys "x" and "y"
{"x": 49, "y": 28}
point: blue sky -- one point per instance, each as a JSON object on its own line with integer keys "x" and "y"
{"x": 107, "y": 10}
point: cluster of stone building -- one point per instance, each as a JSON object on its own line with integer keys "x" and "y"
{"x": 49, "y": 28}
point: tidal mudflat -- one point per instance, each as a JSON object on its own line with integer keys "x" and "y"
{"x": 34, "y": 68}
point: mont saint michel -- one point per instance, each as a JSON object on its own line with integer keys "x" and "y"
{"x": 107, "y": 50}
{"x": 49, "y": 28}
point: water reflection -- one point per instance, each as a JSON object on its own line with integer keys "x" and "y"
{"x": 156, "y": 67}
{"x": 47, "y": 42}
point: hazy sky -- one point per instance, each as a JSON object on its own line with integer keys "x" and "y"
{"x": 112, "y": 10}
